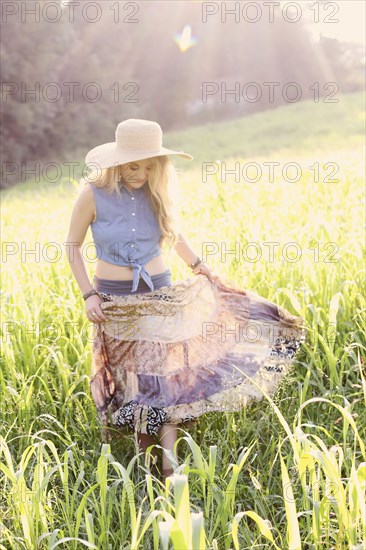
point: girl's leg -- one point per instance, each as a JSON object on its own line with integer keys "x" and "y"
{"x": 167, "y": 436}
{"x": 144, "y": 441}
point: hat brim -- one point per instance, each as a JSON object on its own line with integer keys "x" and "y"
{"x": 108, "y": 155}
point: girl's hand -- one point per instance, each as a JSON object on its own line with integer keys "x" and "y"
{"x": 93, "y": 310}
{"x": 203, "y": 269}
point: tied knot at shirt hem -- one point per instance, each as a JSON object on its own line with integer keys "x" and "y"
{"x": 140, "y": 271}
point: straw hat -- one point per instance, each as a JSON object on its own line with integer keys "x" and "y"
{"x": 136, "y": 139}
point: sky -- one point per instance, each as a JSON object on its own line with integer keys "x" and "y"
{"x": 351, "y": 15}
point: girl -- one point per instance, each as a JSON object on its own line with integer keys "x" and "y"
{"x": 160, "y": 356}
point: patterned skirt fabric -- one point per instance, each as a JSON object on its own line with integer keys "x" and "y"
{"x": 175, "y": 353}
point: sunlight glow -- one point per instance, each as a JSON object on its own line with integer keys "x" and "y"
{"x": 343, "y": 20}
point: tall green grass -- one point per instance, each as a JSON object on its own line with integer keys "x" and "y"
{"x": 287, "y": 472}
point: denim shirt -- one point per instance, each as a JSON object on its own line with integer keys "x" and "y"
{"x": 126, "y": 231}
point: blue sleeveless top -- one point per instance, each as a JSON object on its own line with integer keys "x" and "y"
{"x": 126, "y": 231}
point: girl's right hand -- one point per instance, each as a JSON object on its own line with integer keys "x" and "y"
{"x": 93, "y": 310}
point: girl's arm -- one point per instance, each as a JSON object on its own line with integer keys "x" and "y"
{"x": 81, "y": 217}
{"x": 185, "y": 251}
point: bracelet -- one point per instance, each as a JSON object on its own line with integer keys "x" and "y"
{"x": 196, "y": 263}
{"x": 90, "y": 293}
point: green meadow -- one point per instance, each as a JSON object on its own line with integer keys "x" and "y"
{"x": 276, "y": 203}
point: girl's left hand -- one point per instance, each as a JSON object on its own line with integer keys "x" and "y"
{"x": 203, "y": 269}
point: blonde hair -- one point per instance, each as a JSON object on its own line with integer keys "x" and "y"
{"x": 163, "y": 191}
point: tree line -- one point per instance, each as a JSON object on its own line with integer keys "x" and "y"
{"x": 66, "y": 84}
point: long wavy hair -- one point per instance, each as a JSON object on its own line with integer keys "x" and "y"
{"x": 163, "y": 191}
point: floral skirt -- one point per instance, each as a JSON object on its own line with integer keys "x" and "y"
{"x": 174, "y": 353}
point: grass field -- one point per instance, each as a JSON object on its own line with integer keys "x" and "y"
{"x": 287, "y": 473}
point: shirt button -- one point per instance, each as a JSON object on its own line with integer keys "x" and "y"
{"x": 133, "y": 213}
{"x": 132, "y": 198}
{"x": 133, "y": 229}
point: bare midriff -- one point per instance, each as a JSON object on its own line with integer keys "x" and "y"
{"x": 105, "y": 270}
